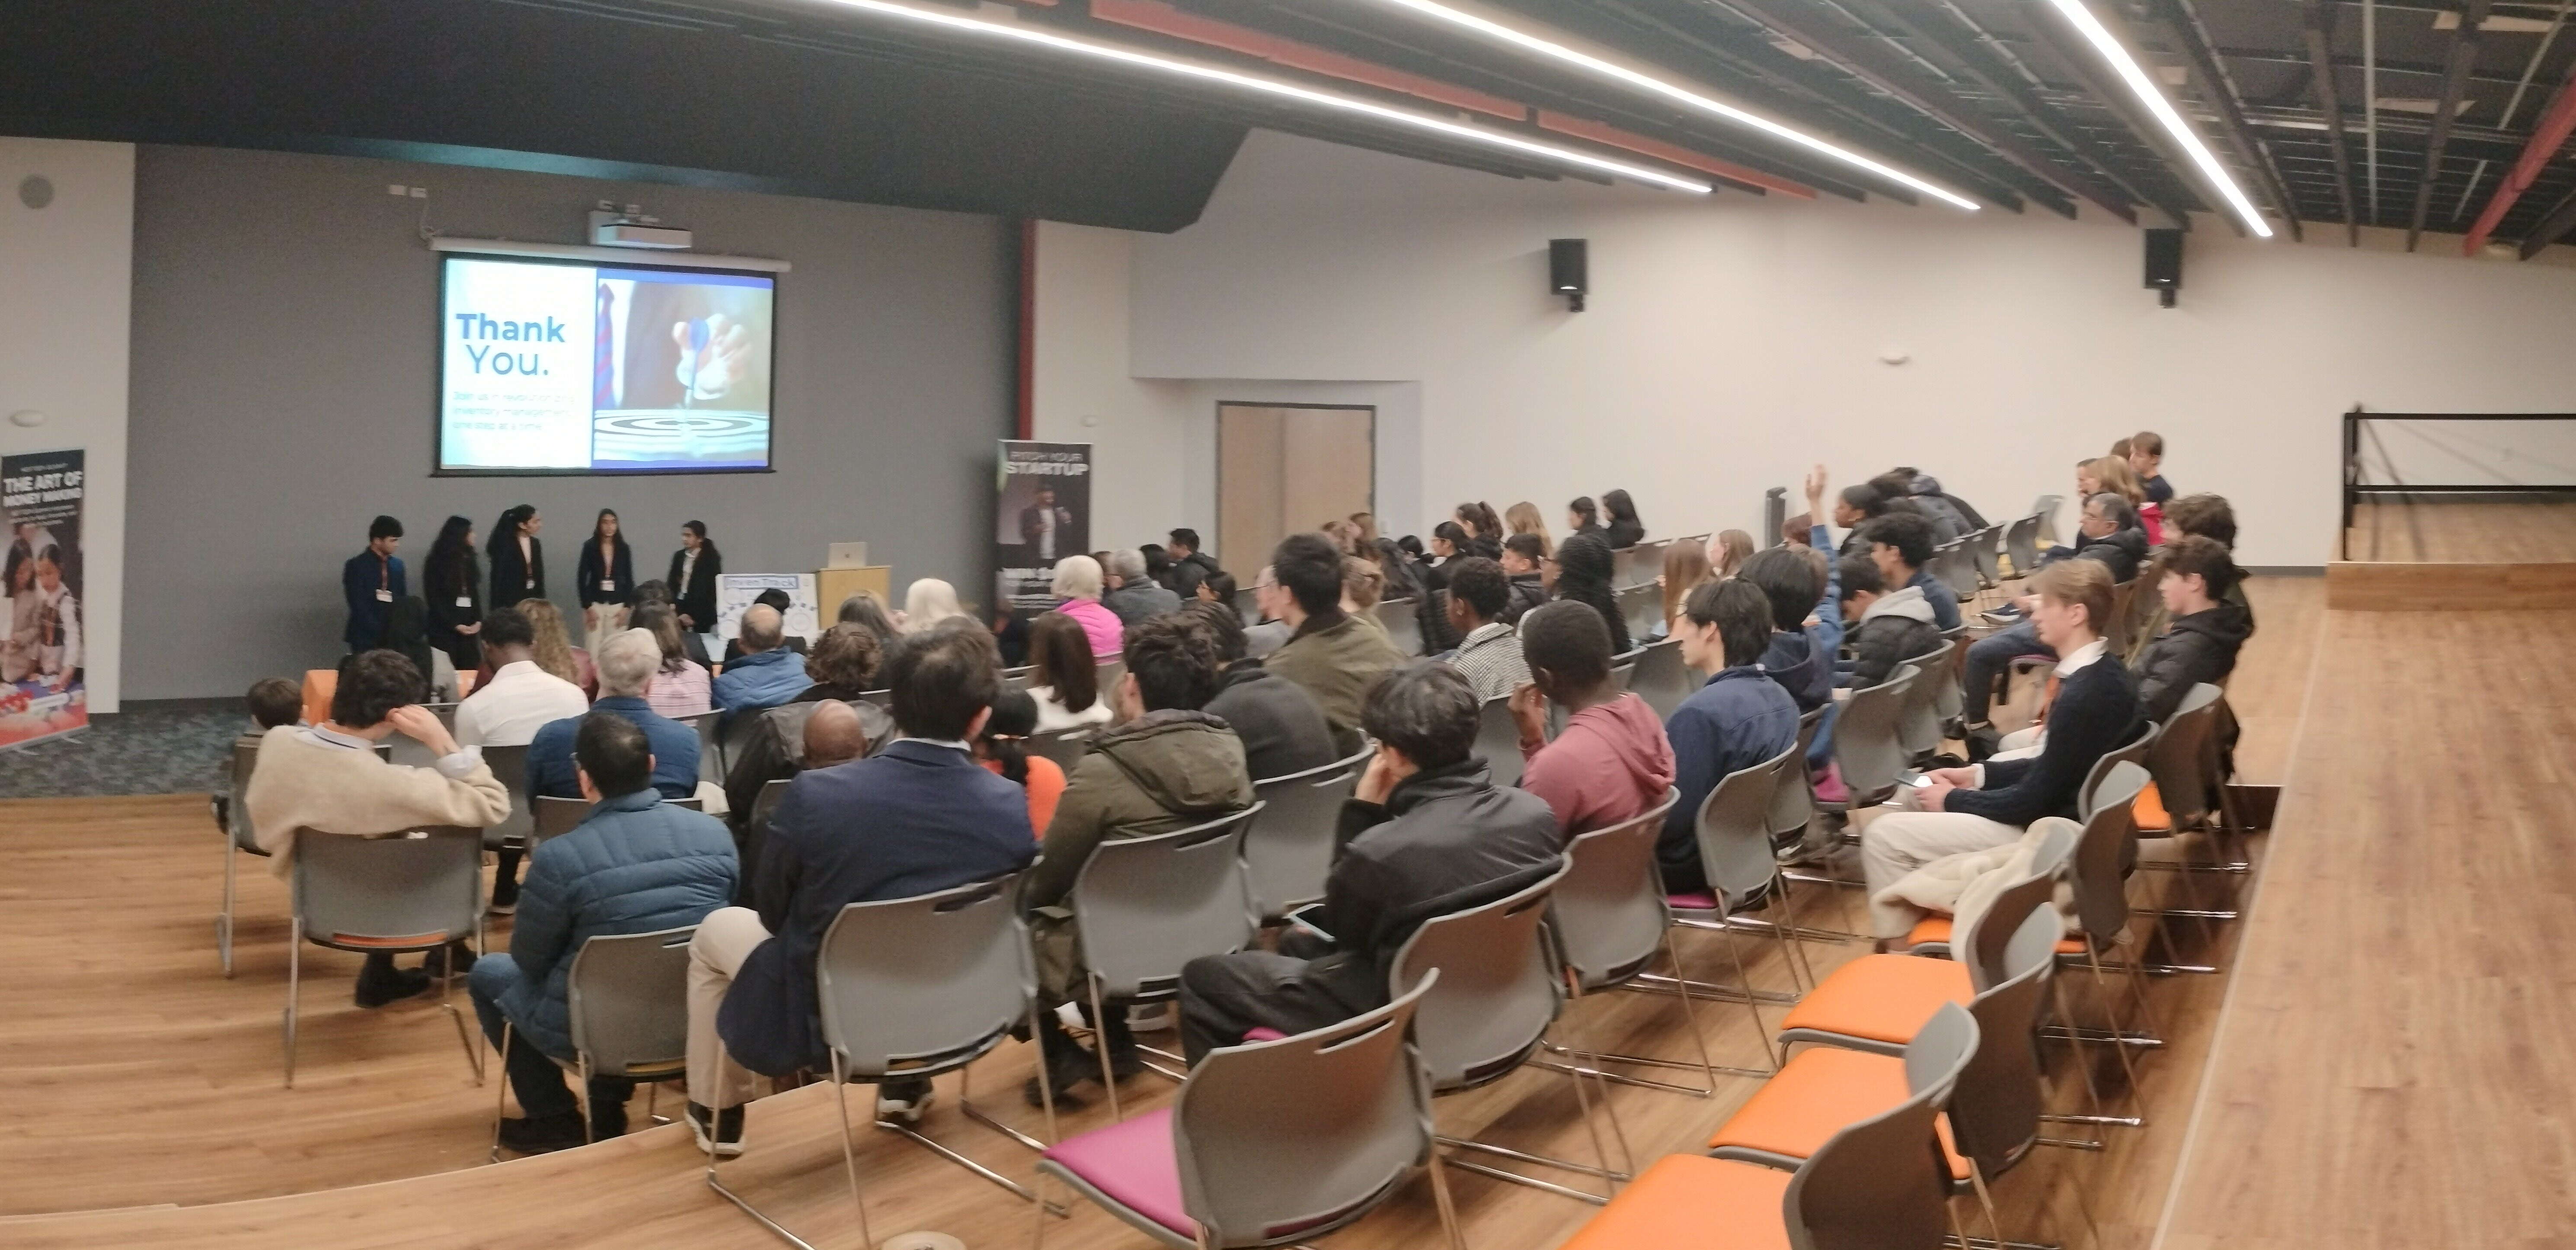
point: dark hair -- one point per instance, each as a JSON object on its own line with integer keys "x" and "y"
{"x": 1787, "y": 581}
{"x": 1426, "y": 711}
{"x": 1452, "y": 533}
{"x": 505, "y": 532}
{"x": 1223, "y": 625}
{"x": 1894, "y": 484}
{"x": 1585, "y": 508}
{"x": 274, "y": 701}
{"x": 1619, "y": 506}
{"x": 1061, "y": 660}
{"x": 451, "y": 558}
{"x": 1583, "y": 565}
{"x": 1567, "y": 641}
{"x": 1530, "y": 546}
{"x": 1908, "y": 532}
{"x": 773, "y": 597}
{"x": 1864, "y": 499}
{"x": 698, "y": 528}
{"x": 1859, "y": 574}
{"x": 1481, "y": 515}
{"x": 598, "y": 524}
{"x": 862, "y": 608}
{"x": 663, "y": 622}
{"x": 1015, "y": 716}
{"x": 1741, "y": 613}
{"x": 845, "y": 656}
{"x": 1410, "y": 545}
{"x": 1157, "y": 560}
{"x": 508, "y": 627}
{"x": 652, "y": 590}
{"x": 2194, "y": 553}
{"x": 1481, "y": 585}
{"x": 614, "y": 752}
{"x": 1224, "y": 587}
{"x": 383, "y": 527}
{"x": 373, "y": 683}
{"x": 1310, "y": 567}
{"x": 2204, "y": 514}
{"x": 1174, "y": 662}
{"x": 941, "y": 677}
{"x": 1184, "y": 538}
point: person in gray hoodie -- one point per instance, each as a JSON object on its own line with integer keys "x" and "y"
{"x": 1894, "y": 626}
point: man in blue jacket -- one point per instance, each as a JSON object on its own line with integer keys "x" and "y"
{"x": 635, "y": 865}
{"x": 1739, "y": 719}
{"x": 371, "y": 581}
{"x": 766, "y": 674}
{"x": 626, "y": 662}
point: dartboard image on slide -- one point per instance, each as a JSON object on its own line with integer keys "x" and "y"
{"x": 635, "y": 438}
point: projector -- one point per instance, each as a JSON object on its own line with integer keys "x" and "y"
{"x": 615, "y": 230}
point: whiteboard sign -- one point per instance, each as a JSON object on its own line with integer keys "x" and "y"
{"x": 735, "y": 592}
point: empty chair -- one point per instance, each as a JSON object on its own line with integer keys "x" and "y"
{"x": 1660, "y": 678}
{"x": 2045, "y": 508}
{"x": 1793, "y": 800}
{"x": 1642, "y": 607}
{"x": 233, "y": 817}
{"x": 1867, "y": 748}
{"x": 1403, "y": 628}
{"x": 2100, "y": 883}
{"x": 2021, "y": 545}
{"x": 628, "y": 995}
{"x": 1623, "y": 666}
{"x": 1918, "y": 722}
{"x": 1982, "y": 549}
{"x": 1498, "y": 741}
{"x": 398, "y": 893}
{"x": 1271, "y": 1141}
{"x": 765, "y": 806}
{"x": 1289, "y": 851}
{"x": 509, "y": 766}
{"x": 1638, "y": 565}
{"x": 1064, "y": 746}
{"x": 1736, "y": 856}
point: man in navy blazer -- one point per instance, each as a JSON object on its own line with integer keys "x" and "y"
{"x": 371, "y": 581}
{"x": 918, "y": 817}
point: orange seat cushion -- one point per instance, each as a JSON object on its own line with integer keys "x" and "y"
{"x": 1884, "y": 998}
{"x": 1692, "y": 1202}
{"x": 319, "y": 685}
{"x": 1818, "y": 1094}
{"x": 1937, "y": 929}
{"x": 2148, "y": 809}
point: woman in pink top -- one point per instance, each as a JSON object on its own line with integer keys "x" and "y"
{"x": 1077, "y": 582}
{"x": 680, "y": 687}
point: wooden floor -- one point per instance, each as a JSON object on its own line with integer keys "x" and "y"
{"x": 138, "y": 1078}
{"x": 2438, "y": 531}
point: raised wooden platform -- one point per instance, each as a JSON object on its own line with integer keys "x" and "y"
{"x": 2366, "y": 586}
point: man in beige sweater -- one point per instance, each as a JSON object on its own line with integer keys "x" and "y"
{"x": 329, "y": 779}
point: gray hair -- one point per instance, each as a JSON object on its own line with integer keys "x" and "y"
{"x": 1076, "y": 577}
{"x": 1128, "y": 564}
{"x": 762, "y": 628}
{"x": 627, "y": 661}
{"x": 2116, "y": 506}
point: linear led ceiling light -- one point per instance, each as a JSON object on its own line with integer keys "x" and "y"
{"x": 1550, "y": 48}
{"x": 2145, "y": 89}
{"x": 950, "y": 20}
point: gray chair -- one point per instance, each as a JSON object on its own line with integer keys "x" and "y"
{"x": 1736, "y": 856}
{"x": 1276, "y": 1140}
{"x": 1640, "y": 564}
{"x": 1018, "y": 678}
{"x": 1661, "y": 679}
{"x": 1956, "y": 566}
{"x": 1403, "y": 628}
{"x": 628, "y": 995}
{"x": 2134, "y": 751}
{"x": 1289, "y": 851}
{"x": 914, "y": 988}
{"x": 1867, "y": 748}
{"x": 1146, "y": 906}
{"x": 556, "y": 817}
{"x": 733, "y": 735}
{"x": 766, "y": 804}
{"x": 405, "y": 749}
{"x": 1793, "y": 801}
{"x": 2045, "y": 508}
{"x": 1642, "y": 607}
{"x": 2099, "y": 878}
{"x": 233, "y": 817}
{"x": 1498, "y": 741}
{"x": 2191, "y": 781}
{"x": 509, "y": 766}
{"x": 1918, "y": 721}
{"x": 398, "y": 893}
{"x": 1982, "y": 549}
{"x": 882, "y": 698}
{"x": 1623, "y": 669}
{"x": 1105, "y": 674}
{"x": 2021, "y": 543}
{"x": 712, "y": 764}
{"x": 1065, "y": 746}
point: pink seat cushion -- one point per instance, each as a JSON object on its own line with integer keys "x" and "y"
{"x": 1830, "y": 788}
{"x": 1697, "y": 900}
{"x": 1263, "y": 1033}
{"x": 1133, "y": 1163}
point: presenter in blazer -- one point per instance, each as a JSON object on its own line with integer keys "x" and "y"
{"x": 605, "y": 580}
{"x": 518, "y": 559}
{"x": 694, "y": 570}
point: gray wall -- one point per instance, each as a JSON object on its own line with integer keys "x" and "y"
{"x": 284, "y": 392}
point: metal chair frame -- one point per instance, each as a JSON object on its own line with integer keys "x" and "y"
{"x": 393, "y": 944}
{"x": 580, "y": 1065}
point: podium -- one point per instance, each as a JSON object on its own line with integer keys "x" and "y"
{"x": 831, "y": 586}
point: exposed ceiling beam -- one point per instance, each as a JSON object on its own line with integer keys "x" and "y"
{"x": 2318, "y": 23}
{"x": 2179, "y": 17}
{"x": 2095, "y": 78}
{"x": 2416, "y": 69}
{"x": 2552, "y": 226}
{"x": 2551, "y": 134}
{"x": 1878, "y": 66}
{"x": 2464, "y": 53}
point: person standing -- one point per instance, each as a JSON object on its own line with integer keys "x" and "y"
{"x": 694, "y": 570}
{"x": 605, "y": 580}
{"x": 370, "y": 581}
{"x": 452, "y": 580}
{"x": 518, "y": 559}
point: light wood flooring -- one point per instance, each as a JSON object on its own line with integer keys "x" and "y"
{"x": 138, "y": 1078}
{"x": 2451, "y": 531}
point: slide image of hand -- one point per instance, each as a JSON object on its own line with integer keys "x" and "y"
{"x": 714, "y": 355}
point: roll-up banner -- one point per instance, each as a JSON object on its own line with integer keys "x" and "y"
{"x": 1043, "y": 514}
{"x": 42, "y": 694}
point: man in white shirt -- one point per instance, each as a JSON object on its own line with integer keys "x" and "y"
{"x": 521, "y": 698}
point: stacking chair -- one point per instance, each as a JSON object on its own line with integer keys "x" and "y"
{"x": 509, "y": 766}
{"x": 1498, "y": 741}
{"x": 1878, "y": 1183}
{"x": 399, "y": 893}
{"x": 1289, "y": 851}
{"x": 2189, "y": 793}
{"x": 1918, "y": 721}
{"x": 919, "y": 987}
{"x": 1403, "y": 628}
{"x": 1271, "y": 1141}
{"x": 1660, "y": 678}
{"x": 885, "y": 698}
{"x": 712, "y": 765}
{"x": 555, "y": 817}
{"x": 1018, "y": 678}
{"x": 2134, "y": 751}
{"x": 2021, "y": 545}
{"x": 2100, "y": 884}
{"x": 1793, "y": 801}
{"x": 234, "y": 816}
{"x": 1956, "y": 566}
{"x": 1641, "y": 606}
{"x": 629, "y": 998}
{"x": 766, "y": 804}
{"x": 1982, "y": 550}
{"x": 1623, "y": 669}
{"x": 1146, "y": 906}
{"x": 1735, "y": 853}
{"x": 1867, "y": 748}
{"x": 1065, "y": 746}
{"x": 2045, "y": 508}
{"x": 1105, "y": 675}
{"x": 1638, "y": 565}
{"x": 1490, "y": 1012}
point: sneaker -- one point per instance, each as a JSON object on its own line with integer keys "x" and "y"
{"x": 537, "y": 1135}
{"x": 435, "y": 963}
{"x": 904, "y": 1101}
{"x": 392, "y": 987}
{"x": 725, "y": 1125}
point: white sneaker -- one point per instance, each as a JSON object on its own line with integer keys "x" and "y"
{"x": 730, "y": 1143}
{"x": 902, "y": 1109}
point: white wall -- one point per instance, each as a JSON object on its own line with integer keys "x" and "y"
{"x": 1732, "y": 341}
{"x": 1082, "y": 392}
{"x": 66, "y": 290}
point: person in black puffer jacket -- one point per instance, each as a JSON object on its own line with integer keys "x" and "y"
{"x": 2201, "y": 643}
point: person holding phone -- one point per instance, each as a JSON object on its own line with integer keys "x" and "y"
{"x": 605, "y": 580}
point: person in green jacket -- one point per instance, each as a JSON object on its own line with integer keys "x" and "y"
{"x": 1337, "y": 657}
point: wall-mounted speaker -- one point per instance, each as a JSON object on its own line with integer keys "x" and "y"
{"x": 2164, "y": 264}
{"x": 1569, "y": 269}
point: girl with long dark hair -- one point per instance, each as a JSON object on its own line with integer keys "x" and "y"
{"x": 1623, "y": 529}
{"x": 451, "y": 582}
{"x": 1583, "y": 516}
{"x": 694, "y": 570}
{"x": 605, "y": 580}
{"x": 1063, "y": 676}
{"x": 518, "y": 560}
{"x": 1003, "y": 749}
{"x": 1583, "y": 566}
{"x": 1484, "y": 529}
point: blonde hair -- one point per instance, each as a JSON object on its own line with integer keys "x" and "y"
{"x": 1363, "y": 582}
{"x": 1733, "y": 548}
{"x": 2080, "y": 583}
{"x": 1525, "y": 518}
{"x": 928, "y": 601}
{"x": 2117, "y": 477}
{"x": 551, "y": 645}
{"x": 1076, "y": 577}
{"x": 1685, "y": 567}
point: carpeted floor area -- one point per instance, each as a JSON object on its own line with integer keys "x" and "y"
{"x": 158, "y": 746}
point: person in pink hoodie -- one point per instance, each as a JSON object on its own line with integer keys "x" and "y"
{"x": 1611, "y": 763}
{"x": 1078, "y": 580}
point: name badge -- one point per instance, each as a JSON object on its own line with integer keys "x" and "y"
{"x": 607, "y": 586}
{"x": 384, "y": 596}
{"x": 465, "y": 601}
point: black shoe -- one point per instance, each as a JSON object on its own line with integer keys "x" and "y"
{"x": 1981, "y": 741}
{"x": 505, "y": 895}
{"x": 392, "y": 986}
{"x": 607, "y": 1119}
{"x": 536, "y": 1135}
{"x": 436, "y": 963}
{"x": 1068, "y": 1063}
{"x": 727, "y": 1129}
{"x": 1120, "y": 1038}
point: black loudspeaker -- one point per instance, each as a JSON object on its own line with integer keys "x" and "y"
{"x": 1569, "y": 268}
{"x": 2164, "y": 264}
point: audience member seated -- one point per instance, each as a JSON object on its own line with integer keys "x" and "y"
{"x": 2107, "y": 536}
{"x": 1133, "y": 596}
{"x": 1077, "y": 583}
{"x": 2206, "y": 630}
{"x": 1330, "y": 653}
{"x": 1003, "y": 749}
{"x": 1063, "y": 677}
{"x": 917, "y": 817}
{"x": 1622, "y": 530}
{"x": 1166, "y": 765}
{"x": 1426, "y": 832}
{"x": 766, "y": 674}
{"x": 927, "y": 602}
{"x": 1282, "y": 728}
{"x": 1524, "y": 518}
{"x": 1610, "y": 763}
{"x": 844, "y": 668}
{"x": 635, "y": 864}
{"x": 1190, "y": 566}
{"x": 2109, "y": 532}
{"x": 1448, "y": 547}
{"x": 1484, "y": 530}
{"x": 628, "y": 659}
{"x": 1854, "y": 509}
{"x": 1525, "y": 557}
{"x": 1894, "y": 626}
{"x": 1901, "y": 544}
{"x": 517, "y": 698}
{"x": 1581, "y": 517}
{"x": 1738, "y": 719}
{"x": 1269, "y": 602}
{"x": 271, "y": 702}
{"x": 329, "y": 779}
{"x": 1987, "y": 805}
{"x": 1796, "y": 658}
{"x": 1489, "y": 648}
{"x": 1583, "y": 570}
{"x": 833, "y": 735}
{"x": 2112, "y": 474}
{"x": 680, "y": 684}
{"x": 549, "y": 645}
{"x": 1686, "y": 565}
{"x": 776, "y": 601}
{"x": 1218, "y": 588}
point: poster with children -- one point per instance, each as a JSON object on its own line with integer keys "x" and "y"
{"x": 42, "y": 695}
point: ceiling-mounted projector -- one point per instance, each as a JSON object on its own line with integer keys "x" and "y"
{"x": 618, "y": 230}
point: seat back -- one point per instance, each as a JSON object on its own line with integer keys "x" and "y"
{"x": 1304, "y": 1134}
{"x": 733, "y": 735}
{"x": 1734, "y": 828}
{"x": 1956, "y": 566}
{"x": 556, "y": 817}
{"x": 766, "y": 804}
{"x": 629, "y": 1000}
{"x": 1642, "y": 607}
{"x": 1018, "y": 678}
{"x": 1983, "y": 940}
{"x": 412, "y": 890}
{"x": 1623, "y": 669}
{"x": 1403, "y": 628}
{"x": 1148, "y": 905}
{"x": 882, "y": 698}
{"x": 2134, "y": 751}
{"x": 1918, "y": 722}
{"x": 1638, "y": 565}
{"x": 1981, "y": 553}
{"x": 2184, "y": 757}
{"x": 1065, "y": 746}
{"x": 1793, "y": 800}
{"x": 2021, "y": 542}
{"x": 1498, "y": 741}
{"x": 509, "y": 766}
{"x": 1882, "y": 1183}
{"x": 1289, "y": 851}
{"x": 712, "y": 764}
{"x": 1608, "y": 911}
{"x": 1995, "y": 1111}
{"x": 1660, "y": 678}
{"x": 927, "y": 982}
{"x": 2101, "y": 889}
{"x": 2120, "y": 623}
{"x": 1866, "y": 745}
{"x": 1497, "y": 991}
{"x": 2045, "y": 508}
{"x": 237, "y": 813}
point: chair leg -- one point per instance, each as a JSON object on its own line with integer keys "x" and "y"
{"x": 1100, "y": 1043}
{"x": 589, "y": 1111}
{"x": 294, "y": 978}
{"x": 447, "y": 999}
{"x": 1440, "y": 1198}
{"x": 1793, "y": 944}
{"x": 500, "y": 1091}
{"x": 224, "y": 922}
{"x": 849, "y": 1145}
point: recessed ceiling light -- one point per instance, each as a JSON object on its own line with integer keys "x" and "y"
{"x": 2145, "y": 89}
